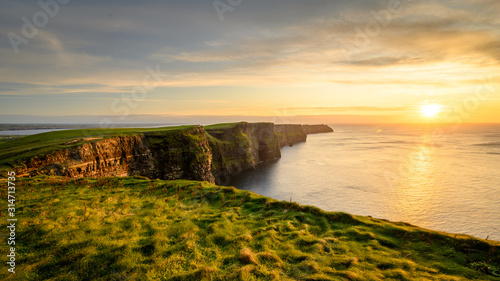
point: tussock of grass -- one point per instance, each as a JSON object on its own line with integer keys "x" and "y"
{"x": 139, "y": 229}
{"x": 246, "y": 256}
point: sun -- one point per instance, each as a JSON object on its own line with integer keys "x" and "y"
{"x": 430, "y": 110}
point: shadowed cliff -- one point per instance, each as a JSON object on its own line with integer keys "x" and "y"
{"x": 165, "y": 155}
{"x": 190, "y": 152}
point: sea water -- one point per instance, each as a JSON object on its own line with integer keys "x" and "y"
{"x": 443, "y": 178}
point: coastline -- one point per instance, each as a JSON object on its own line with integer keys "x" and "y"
{"x": 157, "y": 221}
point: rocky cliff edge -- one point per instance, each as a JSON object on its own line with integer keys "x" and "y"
{"x": 196, "y": 153}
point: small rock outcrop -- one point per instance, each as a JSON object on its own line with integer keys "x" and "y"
{"x": 316, "y": 129}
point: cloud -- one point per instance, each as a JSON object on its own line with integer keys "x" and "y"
{"x": 93, "y": 49}
{"x": 440, "y": 35}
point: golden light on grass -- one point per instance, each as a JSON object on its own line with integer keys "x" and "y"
{"x": 430, "y": 110}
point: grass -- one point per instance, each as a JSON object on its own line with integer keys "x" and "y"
{"x": 221, "y": 126}
{"x": 134, "y": 228}
{"x": 5, "y": 138}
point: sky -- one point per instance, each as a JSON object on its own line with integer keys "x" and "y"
{"x": 345, "y": 61}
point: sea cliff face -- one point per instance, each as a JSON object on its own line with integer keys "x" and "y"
{"x": 163, "y": 155}
{"x": 290, "y": 134}
{"x": 242, "y": 147}
{"x": 193, "y": 153}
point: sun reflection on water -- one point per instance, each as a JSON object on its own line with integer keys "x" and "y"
{"x": 418, "y": 186}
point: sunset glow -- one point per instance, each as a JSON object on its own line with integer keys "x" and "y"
{"x": 430, "y": 110}
{"x": 348, "y": 62}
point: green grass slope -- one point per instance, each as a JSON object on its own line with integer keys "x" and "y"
{"x": 139, "y": 229}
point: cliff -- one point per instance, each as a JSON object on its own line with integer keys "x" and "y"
{"x": 241, "y": 147}
{"x": 164, "y": 155}
{"x": 209, "y": 154}
{"x": 290, "y": 134}
{"x": 316, "y": 129}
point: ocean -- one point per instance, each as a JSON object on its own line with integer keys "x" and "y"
{"x": 436, "y": 177}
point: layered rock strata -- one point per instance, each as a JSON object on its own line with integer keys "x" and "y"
{"x": 192, "y": 153}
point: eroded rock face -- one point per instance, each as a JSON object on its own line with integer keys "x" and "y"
{"x": 184, "y": 154}
{"x": 246, "y": 145}
{"x": 164, "y": 155}
{"x": 191, "y": 153}
{"x": 242, "y": 147}
{"x": 290, "y": 134}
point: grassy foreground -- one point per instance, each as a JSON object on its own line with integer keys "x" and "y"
{"x": 139, "y": 229}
